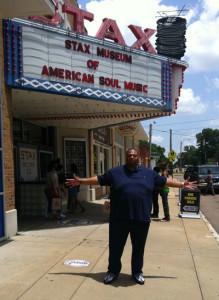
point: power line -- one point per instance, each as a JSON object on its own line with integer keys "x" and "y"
{"x": 178, "y": 131}
{"x": 164, "y": 131}
{"x": 187, "y": 122}
{"x": 197, "y": 128}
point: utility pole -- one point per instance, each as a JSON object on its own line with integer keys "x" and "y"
{"x": 170, "y": 139}
{"x": 180, "y": 166}
{"x": 171, "y": 164}
{"x": 150, "y": 138}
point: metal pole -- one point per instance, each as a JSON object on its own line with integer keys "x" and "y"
{"x": 171, "y": 164}
{"x": 170, "y": 139}
{"x": 180, "y": 166}
{"x": 150, "y": 138}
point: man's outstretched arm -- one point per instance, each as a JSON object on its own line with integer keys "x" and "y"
{"x": 84, "y": 181}
{"x": 186, "y": 184}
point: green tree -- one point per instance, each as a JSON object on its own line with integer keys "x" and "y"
{"x": 208, "y": 145}
{"x": 191, "y": 156}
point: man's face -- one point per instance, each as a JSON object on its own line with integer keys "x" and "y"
{"x": 132, "y": 158}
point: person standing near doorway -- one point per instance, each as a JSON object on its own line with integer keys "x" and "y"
{"x": 73, "y": 191}
{"x": 164, "y": 195}
{"x": 52, "y": 189}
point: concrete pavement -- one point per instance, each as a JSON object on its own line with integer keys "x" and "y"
{"x": 181, "y": 260}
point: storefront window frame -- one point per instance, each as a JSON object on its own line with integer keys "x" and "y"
{"x": 40, "y": 169}
{"x": 104, "y": 148}
{"x": 86, "y": 152}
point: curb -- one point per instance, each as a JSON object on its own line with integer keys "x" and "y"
{"x": 210, "y": 227}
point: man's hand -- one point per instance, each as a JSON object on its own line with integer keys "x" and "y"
{"x": 190, "y": 185}
{"x": 72, "y": 182}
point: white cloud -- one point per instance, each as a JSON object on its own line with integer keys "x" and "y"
{"x": 203, "y": 39}
{"x": 202, "y": 35}
{"x": 190, "y": 104}
{"x": 216, "y": 105}
{"x": 192, "y": 13}
{"x": 211, "y": 83}
{"x": 216, "y": 83}
{"x": 143, "y": 13}
{"x": 157, "y": 139}
{"x": 214, "y": 122}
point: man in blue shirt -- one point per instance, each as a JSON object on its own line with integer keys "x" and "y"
{"x": 131, "y": 188}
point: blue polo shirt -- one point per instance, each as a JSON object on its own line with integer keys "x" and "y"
{"x": 131, "y": 192}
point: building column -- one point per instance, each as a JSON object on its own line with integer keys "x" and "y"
{"x": 7, "y": 126}
{"x": 125, "y": 139}
{"x": 91, "y": 158}
{"x": 91, "y": 152}
{"x": 113, "y": 147}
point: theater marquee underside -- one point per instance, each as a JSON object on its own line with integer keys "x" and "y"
{"x": 63, "y": 78}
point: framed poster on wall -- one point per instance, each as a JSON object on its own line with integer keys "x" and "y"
{"x": 28, "y": 164}
{"x": 75, "y": 152}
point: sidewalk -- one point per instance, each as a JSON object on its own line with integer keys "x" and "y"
{"x": 181, "y": 260}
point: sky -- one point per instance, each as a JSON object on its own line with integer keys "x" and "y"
{"x": 198, "y": 105}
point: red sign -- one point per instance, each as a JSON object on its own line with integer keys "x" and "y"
{"x": 109, "y": 28}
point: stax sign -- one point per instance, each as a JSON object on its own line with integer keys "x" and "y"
{"x": 108, "y": 29}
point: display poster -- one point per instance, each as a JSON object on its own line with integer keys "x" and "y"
{"x": 102, "y": 135}
{"x": 28, "y": 164}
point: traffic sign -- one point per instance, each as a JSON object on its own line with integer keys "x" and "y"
{"x": 172, "y": 154}
{"x": 171, "y": 159}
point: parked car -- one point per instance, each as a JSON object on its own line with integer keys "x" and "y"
{"x": 192, "y": 172}
{"x": 202, "y": 175}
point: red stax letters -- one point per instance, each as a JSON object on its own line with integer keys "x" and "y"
{"x": 79, "y": 16}
{"x": 142, "y": 39}
{"x": 110, "y": 30}
{"x": 50, "y": 20}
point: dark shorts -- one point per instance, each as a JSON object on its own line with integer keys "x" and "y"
{"x": 73, "y": 191}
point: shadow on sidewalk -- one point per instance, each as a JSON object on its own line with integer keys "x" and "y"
{"x": 123, "y": 280}
{"x": 93, "y": 212}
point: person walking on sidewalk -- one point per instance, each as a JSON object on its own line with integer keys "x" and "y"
{"x": 131, "y": 188}
{"x": 164, "y": 195}
{"x": 209, "y": 184}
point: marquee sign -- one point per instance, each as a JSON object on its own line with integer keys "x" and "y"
{"x": 44, "y": 58}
